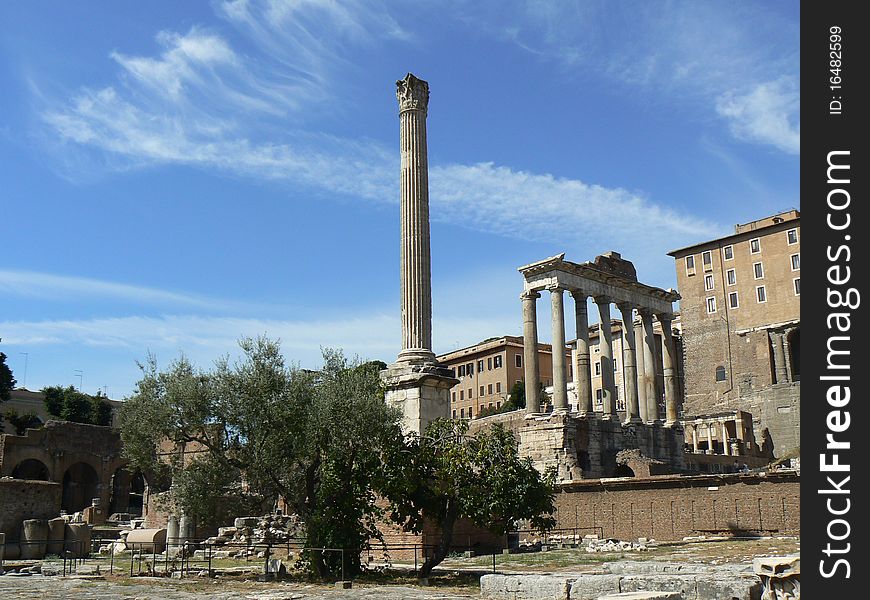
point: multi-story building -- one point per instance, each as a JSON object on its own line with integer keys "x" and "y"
{"x": 487, "y": 371}
{"x": 740, "y": 313}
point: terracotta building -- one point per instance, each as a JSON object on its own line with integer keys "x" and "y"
{"x": 740, "y": 313}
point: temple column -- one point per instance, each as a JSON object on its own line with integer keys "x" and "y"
{"x": 582, "y": 374}
{"x": 778, "y": 357}
{"x": 560, "y": 382}
{"x": 605, "y": 345}
{"x": 530, "y": 351}
{"x": 629, "y": 362}
{"x": 695, "y": 438}
{"x": 649, "y": 365}
{"x": 640, "y": 368}
{"x": 668, "y": 362}
{"x": 725, "y": 449}
{"x": 416, "y": 279}
{"x": 710, "y": 449}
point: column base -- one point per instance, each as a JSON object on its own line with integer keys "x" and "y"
{"x": 633, "y": 421}
{"x": 420, "y": 392}
{"x": 416, "y": 356}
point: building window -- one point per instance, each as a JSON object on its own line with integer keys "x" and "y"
{"x": 454, "y": 397}
{"x": 598, "y": 368}
{"x": 708, "y": 282}
{"x": 496, "y": 361}
{"x": 614, "y": 365}
{"x": 518, "y": 360}
{"x": 711, "y": 305}
{"x": 489, "y": 389}
{"x": 480, "y": 366}
{"x": 792, "y": 236}
{"x": 599, "y": 396}
{"x": 489, "y": 364}
{"x": 454, "y": 414}
{"x": 795, "y": 262}
{"x": 720, "y": 373}
{"x": 481, "y": 391}
{"x": 761, "y": 294}
{"x": 461, "y": 395}
{"x": 498, "y": 404}
{"x": 758, "y": 268}
{"x": 498, "y": 387}
{"x": 731, "y": 276}
{"x": 462, "y": 370}
{"x": 489, "y": 405}
{"x": 755, "y": 245}
{"x": 462, "y": 413}
{"x": 797, "y": 286}
{"x": 470, "y": 393}
{"x": 469, "y": 368}
{"x": 728, "y": 251}
{"x": 470, "y": 413}
{"x": 707, "y": 259}
{"x": 732, "y": 300}
{"x": 690, "y": 265}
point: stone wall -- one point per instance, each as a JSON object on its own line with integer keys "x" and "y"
{"x": 673, "y": 507}
{"x": 23, "y": 499}
{"x": 777, "y": 408}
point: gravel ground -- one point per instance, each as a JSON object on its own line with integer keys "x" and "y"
{"x": 64, "y": 588}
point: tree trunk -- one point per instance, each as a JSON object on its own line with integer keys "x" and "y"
{"x": 445, "y": 541}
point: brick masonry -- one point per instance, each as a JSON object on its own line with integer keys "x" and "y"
{"x": 673, "y": 507}
{"x": 23, "y": 499}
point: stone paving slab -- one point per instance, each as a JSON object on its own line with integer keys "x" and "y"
{"x": 63, "y": 588}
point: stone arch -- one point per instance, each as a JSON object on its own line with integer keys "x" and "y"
{"x": 794, "y": 353}
{"x": 31, "y": 468}
{"x": 80, "y": 486}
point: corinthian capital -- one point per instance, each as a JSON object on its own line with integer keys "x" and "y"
{"x": 412, "y": 93}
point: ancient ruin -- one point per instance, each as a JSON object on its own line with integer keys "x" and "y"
{"x": 416, "y": 383}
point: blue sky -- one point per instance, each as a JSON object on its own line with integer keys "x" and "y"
{"x": 175, "y": 175}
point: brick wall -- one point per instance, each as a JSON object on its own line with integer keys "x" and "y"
{"x": 24, "y": 499}
{"x": 672, "y": 507}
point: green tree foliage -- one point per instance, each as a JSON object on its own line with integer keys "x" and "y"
{"x": 22, "y": 423}
{"x": 69, "y": 404}
{"x": 7, "y": 381}
{"x": 447, "y": 475}
{"x": 256, "y": 431}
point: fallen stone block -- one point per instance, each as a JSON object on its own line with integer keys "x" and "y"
{"x": 741, "y": 587}
{"x": 643, "y": 596}
{"x": 525, "y": 587}
{"x": 592, "y": 587}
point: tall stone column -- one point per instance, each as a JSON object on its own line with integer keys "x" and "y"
{"x": 669, "y": 361}
{"x": 416, "y": 384}
{"x": 416, "y": 288}
{"x": 582, "y": 374}
{"x": 694, "y": 438}
{"x": 629, "y": 363}
{"x": 726, "y": 450}
{"x": 560, "y": 382}
{"x": 649, "y": 365}
{"x": 710, "y": 447}
{"x": 530, "y": 351}
{"x": 605, "y": 345}
{"x": 641, "y": 370}
{"x": 778, "y": 357}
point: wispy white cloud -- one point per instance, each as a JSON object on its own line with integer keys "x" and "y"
{"x": 767, "y": 114}
{"x": 685, "y": 53}
{"x": 43, "y": 285}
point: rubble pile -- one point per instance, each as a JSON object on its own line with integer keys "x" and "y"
{"x": 248, "y": 535}
{"x": 593, "y": 544}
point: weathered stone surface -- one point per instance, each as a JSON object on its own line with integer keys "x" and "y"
{"x": 685, "y": 585}
{"x": 56, "y": 534}
{"x": 147, "y": 540}
{"x": 727, "y": 588}
{"x": 34, "y": 538}
{"x": 77, "y": 539}
{"x": 531, "y": 587}
{"x": 780, "y": 576}
{"x": 643, "y": 596}
{"x": 591, "y": 587}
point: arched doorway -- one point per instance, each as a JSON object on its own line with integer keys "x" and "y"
{"x": 31, "y": 468}
{"x": 623, "y": 471}
{"x": 80, "y": 483}
{"x": 794, "y": 354}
